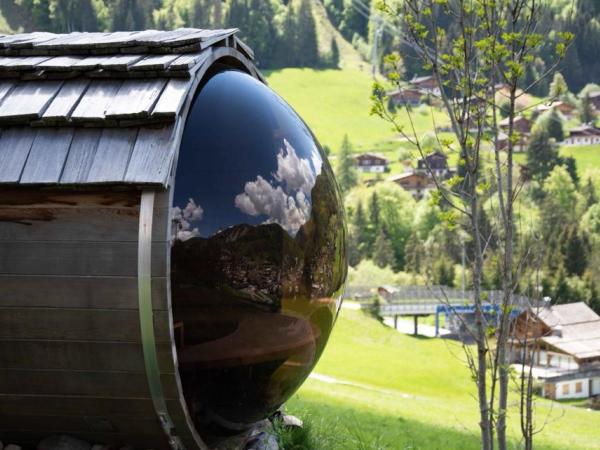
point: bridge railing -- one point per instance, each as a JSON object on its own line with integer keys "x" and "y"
{"x": 442, "y": 295}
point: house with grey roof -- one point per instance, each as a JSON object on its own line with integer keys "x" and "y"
{"x": 562, "y": 342}
{"x": 585, "y": 134}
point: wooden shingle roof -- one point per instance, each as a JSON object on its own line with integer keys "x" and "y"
{"x": 84, "y": 108}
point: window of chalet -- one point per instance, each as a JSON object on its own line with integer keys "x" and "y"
{"x": 579, "y": 387}
{"x": 565, "y": 389}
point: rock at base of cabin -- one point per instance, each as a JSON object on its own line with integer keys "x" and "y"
{"x": 287, "y": 420}
{"x": 263, "y": 440}
{"x": 63, "y": 443}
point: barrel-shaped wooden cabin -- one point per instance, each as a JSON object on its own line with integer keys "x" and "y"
{"x": 171, "y": 240}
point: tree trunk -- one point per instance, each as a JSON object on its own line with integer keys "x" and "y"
{"x": 482, "y": 348}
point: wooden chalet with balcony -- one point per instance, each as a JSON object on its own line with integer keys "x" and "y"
{"x": 372, "y": 163}
{"x": 562, "y": 343}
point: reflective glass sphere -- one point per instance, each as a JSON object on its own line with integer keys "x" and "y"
{"x": 258, "y": 260}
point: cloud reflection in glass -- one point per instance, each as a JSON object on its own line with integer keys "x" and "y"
{"x": 258, "y": 257}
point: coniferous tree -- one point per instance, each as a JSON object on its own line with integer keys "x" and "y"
{"x": 542, "y": 154}
{"x": 129, "y": 15}
{"x": 217, "y": 17}
{"x": 443, "y": 272}
{"x": 237, "y": 14}
{"x": 414, "y": 252}
{"x": 346, "y": 175}
{"x": 558, "y": 87}
{"x": 571, "y": 165}
{"x": 575, "y": 248}
{"x": 307, "y": 34}
{"x": 361, "y": 228}
{"x": 561, "y": 292}
{"x": 374, "y": 212}
{"x": 287, "y": 45}
{"x": 353, "y": 247}
{"x": 73, "y": 15}
{"x": 353, "y": 22}
{"x": 260, "y": 29}
{"x": 594, "y": 301}
{"x": 335, "y": 11}
{"x": 585, "y": 110}
{"x": 201, "y": 14}
{"x": 552, "y": 122}
{"x": 334, "y": 57}
{"x": 383, "y": 255}
{"x": 589, "y": 193}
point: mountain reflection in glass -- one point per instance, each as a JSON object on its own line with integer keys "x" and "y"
{"x": 258, "y": 260}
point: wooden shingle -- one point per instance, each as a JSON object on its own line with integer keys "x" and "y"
{"x": 135, "y": 99}
{"x": 81, "y": 155}
{"x": 95, "y": 101}
{"x": 63, "y": 104}
{"x": 112, "y": 155}
{"x": 15, "y": 144}
{"x": 152, "y": 156}
{"x": 28, "y": 100}
{"x": 47, "y": 156}
{"x": 90, "y": 108}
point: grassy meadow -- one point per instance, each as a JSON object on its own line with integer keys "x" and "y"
{"x": 587, "y": 156}
{"x": 402, "y": 392}
{"x": 399, "y": 392}
{"x": 337, "y": 102}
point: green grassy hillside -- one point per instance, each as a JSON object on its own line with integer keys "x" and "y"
{"x": 337, "y": 102}
{"x": 587, "y": 156}
{"x": 412, "y": 393}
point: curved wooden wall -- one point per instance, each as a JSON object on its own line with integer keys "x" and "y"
{"x": 71, "y": 356}
{"x": 71, "y": 352}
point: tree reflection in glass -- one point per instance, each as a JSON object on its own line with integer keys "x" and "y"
{"x": 258, "y": 255}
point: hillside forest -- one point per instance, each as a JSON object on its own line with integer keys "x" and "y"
{"x": 393, "y": 237}
{"x": 283, "y": 32}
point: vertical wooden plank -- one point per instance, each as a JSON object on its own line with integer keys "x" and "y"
{"x": 172, "y": 98}
{"x": 135, "y": 98}
{"x": 5, "y": 88}
{"x": 15, "y": 145}
{"x": 112, "y": 155}
{"x": 63, "y": 104}
{"x": 96, "y": 99}
{"x": 81, "y": 155}
{"x": 29, "y": 99}
{"x": 47, "y": 156}
{"x": 152, "y": 156}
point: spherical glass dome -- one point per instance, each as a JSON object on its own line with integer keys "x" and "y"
{"x": 258, "y": 260}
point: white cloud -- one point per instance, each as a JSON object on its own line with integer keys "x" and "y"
{"x": 183, "y": 219}
{"x": 261, "y": 198}
{"x": 294, "y": 171}
{"x": 286, "y": 200}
